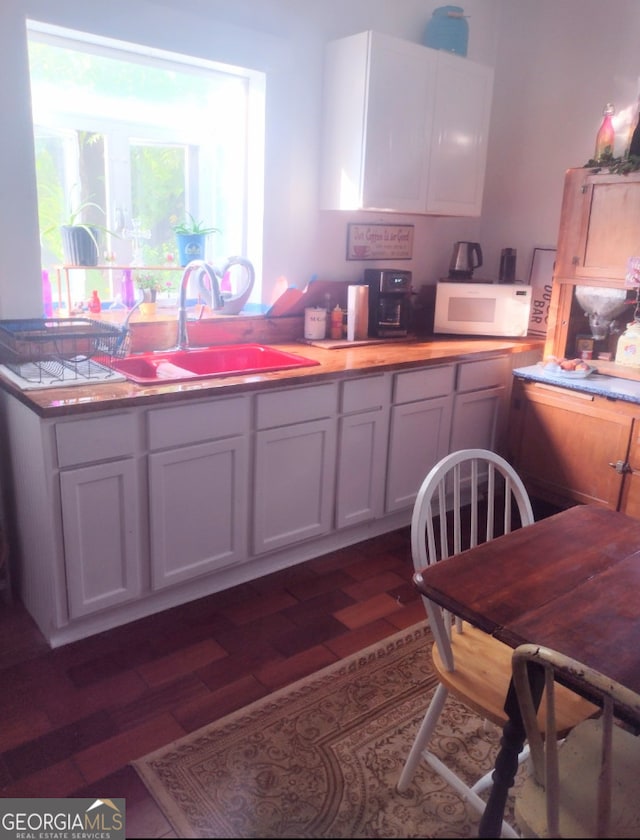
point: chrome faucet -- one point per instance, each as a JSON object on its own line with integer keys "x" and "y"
{"x": 123, "y": 342}
{"x": 135, "y": 306}
{"x": 217, "y": 302}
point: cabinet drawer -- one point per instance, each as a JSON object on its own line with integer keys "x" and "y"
{"x": 423, "y": 384}
{"x": 296, "y": 405}
{"x": 484, "y": 373}
{"x": 364, "y": 394}
{"x": 196, "y": 423}
{"x": 95, "y": 439}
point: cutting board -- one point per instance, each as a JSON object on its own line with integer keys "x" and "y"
{"x": 339, "y": 344}
{"x": 287, "y": 300}
{"x": 294, "y": 302}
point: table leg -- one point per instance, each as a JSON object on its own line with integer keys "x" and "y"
{"x": 506, "y": 766}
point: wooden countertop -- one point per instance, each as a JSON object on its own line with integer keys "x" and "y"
{"x": 340, "y": 363}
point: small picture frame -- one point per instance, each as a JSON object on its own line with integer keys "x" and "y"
{"x": 379, "y": 242}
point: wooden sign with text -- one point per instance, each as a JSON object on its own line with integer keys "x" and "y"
{"x": 541, "y": 281}
{"x": 379, "y": 242}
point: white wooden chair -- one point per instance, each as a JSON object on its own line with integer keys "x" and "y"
{"x": 470, "y": 496}
{"x": 587, "y": 785}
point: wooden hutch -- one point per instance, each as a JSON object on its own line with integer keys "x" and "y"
{"x": 571, "y": 446}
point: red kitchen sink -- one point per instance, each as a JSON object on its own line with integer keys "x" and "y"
{"x": 207, "y": 362}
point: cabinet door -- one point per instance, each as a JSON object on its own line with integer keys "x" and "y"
{"x": 399, "y": 124}
{"x": 599, "y": 226}
{"x": 378, "y": 105}
{"x": 294, "y": 483}
{"x": 630, "y": 498}
{"x": 460, "y": 135}
{"x": 480, "y": 406}
{"x": 362, "y": 453}
{"x": 563, "y": 442}
{"x": 101, "y": 526}
{"x": 419, "y": 437}
{"x": 477, "y": 419}
{"x": 198, "y": 509}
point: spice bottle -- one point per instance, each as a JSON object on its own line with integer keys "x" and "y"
{"x": 336, "y": 323}
{"x": 606, "y": 134}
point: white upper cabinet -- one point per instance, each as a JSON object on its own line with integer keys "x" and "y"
{"x": 405, "y": 127}
{"x": 459, "y": 139}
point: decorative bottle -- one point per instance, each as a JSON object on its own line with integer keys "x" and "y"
{"x": 94, "y": 304}
{"x": 606, "y": 134}
{"x": 46, "y": 294}
{"x": 128, "y": 295}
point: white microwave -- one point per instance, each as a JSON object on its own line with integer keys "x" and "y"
{"x": 482, "y": 309}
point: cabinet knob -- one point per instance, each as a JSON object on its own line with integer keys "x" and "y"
{"x": 620, "y": 466}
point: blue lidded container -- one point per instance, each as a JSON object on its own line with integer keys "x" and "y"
{"x": 448, "y": 30}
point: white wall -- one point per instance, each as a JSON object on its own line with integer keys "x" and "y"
{"x": 557, "y": 63}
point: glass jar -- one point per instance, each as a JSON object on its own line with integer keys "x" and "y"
{"x": 628, "y": 348}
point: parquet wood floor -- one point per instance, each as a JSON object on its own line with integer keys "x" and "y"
{"x": 73, "y": 718}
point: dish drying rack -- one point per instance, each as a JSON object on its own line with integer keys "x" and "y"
{"x": 61, "y": 349}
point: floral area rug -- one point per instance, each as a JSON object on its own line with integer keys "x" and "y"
{"x": 321, "y": 757}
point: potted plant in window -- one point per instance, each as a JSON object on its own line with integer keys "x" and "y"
{"x": 150, "y": 283}
{"x": 191, "y": 238}
{"x": 80, "y": 239}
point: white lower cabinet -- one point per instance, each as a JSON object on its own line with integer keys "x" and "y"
{"x": 362, "y": 450}
{"x": 420, "y": 428}
{"x": 101, "y": 527}
{"x": 294, "y": 468}
{"x": 198, "y": 491}
{"x": 100, "y": 506}
{"x": 476, "y": 416}
{"x": 124, "y": 513}
{"x": 480, "y": 405}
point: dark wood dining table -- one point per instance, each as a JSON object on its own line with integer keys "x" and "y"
{"x": 570, "y": 582}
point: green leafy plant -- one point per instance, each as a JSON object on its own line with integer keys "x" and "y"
{"x": 74, "y": 215}
{"x": 193, "y": 227}
{"x": 615, "y": 165}
{"x": 148, "y": 280}
{"x": 154, "y": 282}
{"x": 74, "y": 218}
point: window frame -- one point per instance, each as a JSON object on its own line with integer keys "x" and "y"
{"x": 189, "y": 134}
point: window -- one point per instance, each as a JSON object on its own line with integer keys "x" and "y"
{"x": 130, "y": 140}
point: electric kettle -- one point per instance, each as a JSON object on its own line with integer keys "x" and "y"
{"x": 466, "y": 256}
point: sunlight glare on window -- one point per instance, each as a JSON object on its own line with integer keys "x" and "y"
{"x": 131, "y": 140}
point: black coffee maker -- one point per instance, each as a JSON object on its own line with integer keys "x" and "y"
{"x": 389, "y": 302}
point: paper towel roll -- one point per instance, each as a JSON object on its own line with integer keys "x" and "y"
{"x": 357, "y": 313}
